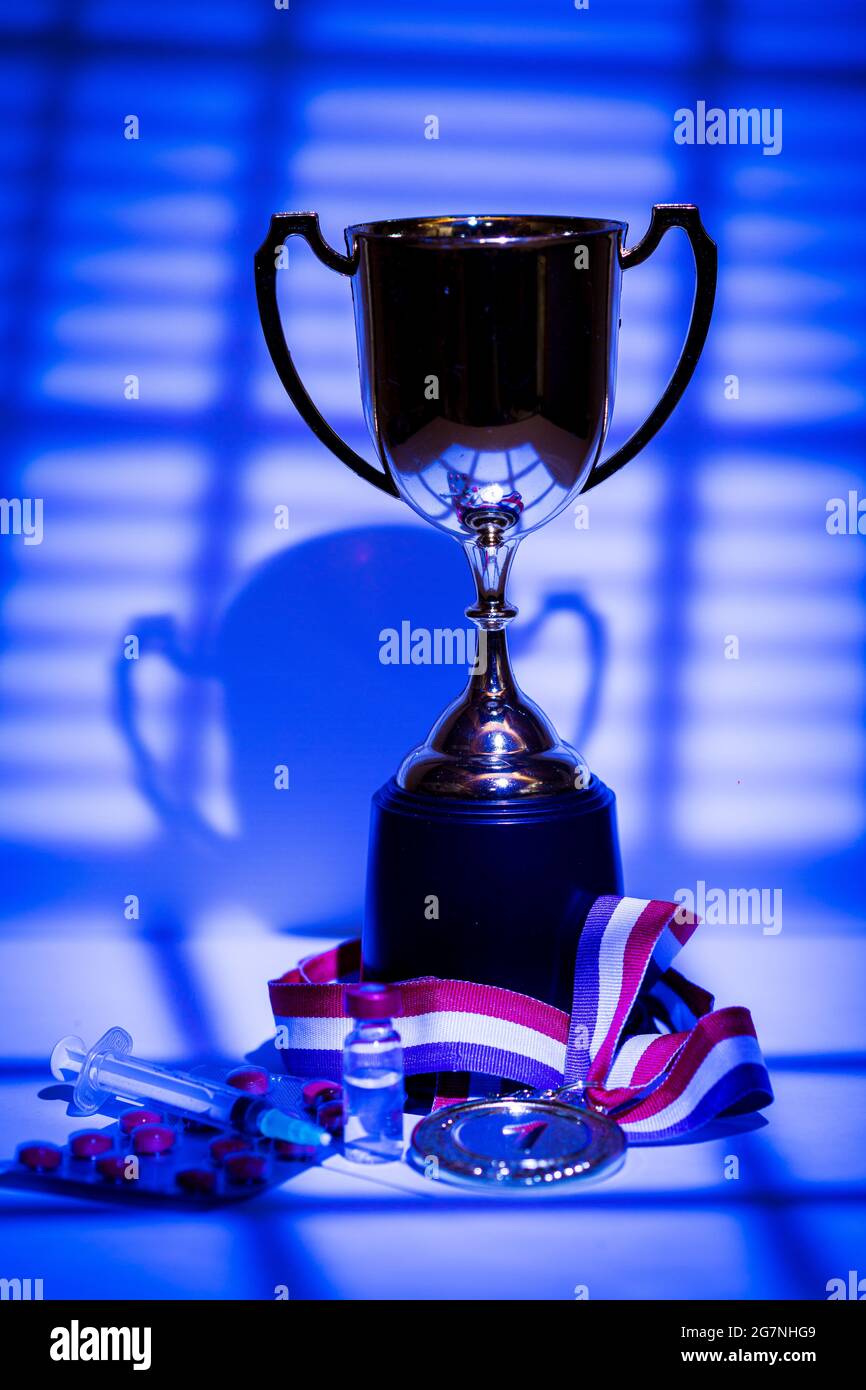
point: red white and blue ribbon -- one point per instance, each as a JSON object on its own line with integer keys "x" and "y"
{"x": 646, "y": 1045}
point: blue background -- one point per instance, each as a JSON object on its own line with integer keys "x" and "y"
{"x": 260, "y": 646}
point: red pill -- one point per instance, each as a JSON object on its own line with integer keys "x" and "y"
{"x": 131, "y": 1119}
{"x": 315, "y": 1092}
{"x": 90, "y": 1145}
{"x": 221, "y": 1148}
{"x": 196, "y": 1180}
{"x": 330, "y": 1116}
{"x": 252, "y": 1079}
{"x": 152, "y": 1139}
{"x": 245, "y": 1168}
{"x": 112, "y": 1168}
{"x": 301, "y": 1153}
{"x": 40, "y": 1158}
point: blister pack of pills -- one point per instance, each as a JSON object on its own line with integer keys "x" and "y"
{"x": 152, "y": 1154}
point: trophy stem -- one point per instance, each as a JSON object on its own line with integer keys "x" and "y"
{"x": 493, "y": 743}
{"x": 490, "y": 558}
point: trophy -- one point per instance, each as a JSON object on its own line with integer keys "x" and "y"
{"x": 487, "y": 354}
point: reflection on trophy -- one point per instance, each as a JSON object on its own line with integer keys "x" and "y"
{"x": 487, "y": 350}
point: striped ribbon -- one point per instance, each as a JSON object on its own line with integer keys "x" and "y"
{"x": 645, "y": 1043}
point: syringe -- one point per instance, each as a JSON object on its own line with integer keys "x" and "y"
{"x": 108, "y": 1070}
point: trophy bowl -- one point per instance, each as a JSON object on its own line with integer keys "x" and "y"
{"x": 488, "y": 355}
{"x": 487, "y": 350}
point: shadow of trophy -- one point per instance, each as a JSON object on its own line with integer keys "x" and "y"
{"x": 327, "y": 662}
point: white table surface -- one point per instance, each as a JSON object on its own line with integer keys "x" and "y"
{"x": 669, "y": 1225}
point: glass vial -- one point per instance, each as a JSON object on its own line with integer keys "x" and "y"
{"x": 373, "y": 1090}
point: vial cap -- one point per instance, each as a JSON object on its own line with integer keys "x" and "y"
{"x": 372, "y": 1001}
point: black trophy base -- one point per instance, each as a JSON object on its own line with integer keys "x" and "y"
{"x": 489, "y": 891}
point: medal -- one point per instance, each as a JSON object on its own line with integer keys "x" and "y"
{"x": 513, "y": 1143}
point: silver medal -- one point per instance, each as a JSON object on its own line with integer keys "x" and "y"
{"x": 514, "y": 1143}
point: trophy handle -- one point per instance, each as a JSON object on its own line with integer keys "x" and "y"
{"x": 305, "y": 224}
{"x": 665, "y": 215}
